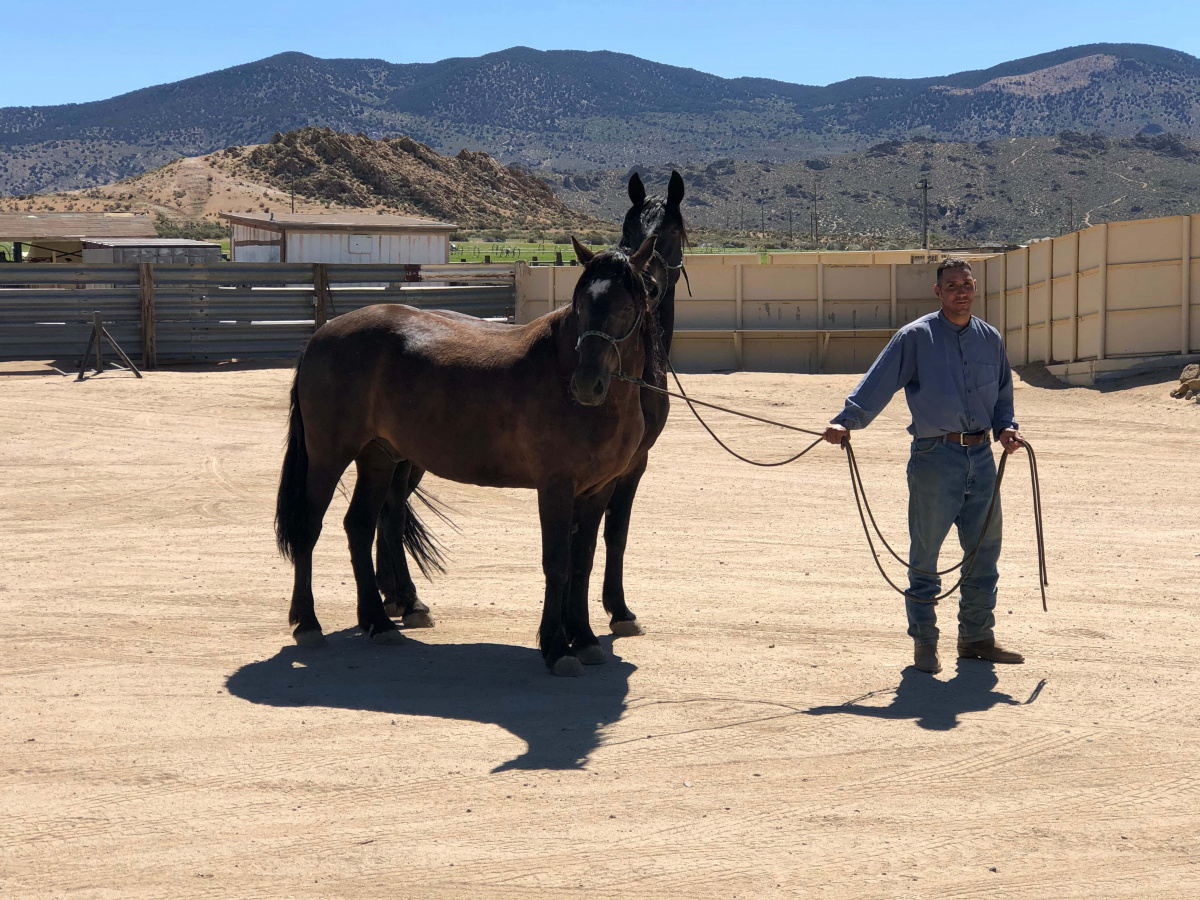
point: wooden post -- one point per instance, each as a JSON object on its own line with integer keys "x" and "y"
{"x": 892, "y": 314}
{"x": 1185, "y": 284}
{"x": 820, "y": 293}
{"x": 321, "y": 290}
{"x": 149, "y": 344}
{"x": 1050, "y": 305}
{"x": 1025, "y": 316}
{"x": 737, "y": 315}
{"x": 1004, "y": 303}
{"x": 1075, "y": 303}
{"x": 1102, "y": 347}
{"x": 98, "y": 330}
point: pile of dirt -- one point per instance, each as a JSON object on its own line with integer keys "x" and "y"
{"x": 353, "y": 170}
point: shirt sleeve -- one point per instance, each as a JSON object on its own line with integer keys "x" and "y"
{"x": 892, "y": 370}
{"x": 1002, "y": 416}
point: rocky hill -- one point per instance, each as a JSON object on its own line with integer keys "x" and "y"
{"x": 1009, "y": 190}
{"x": 330, "y": 170}
{"x": 572, "y": 110}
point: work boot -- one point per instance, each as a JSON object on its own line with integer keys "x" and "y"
{"x": 987, "y": 649}
{"x": 925, "y": 658}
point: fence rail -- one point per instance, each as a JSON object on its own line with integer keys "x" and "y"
{"x": 222, "y": 311}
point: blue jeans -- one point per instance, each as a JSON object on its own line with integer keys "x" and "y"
{"x": 949, "y": 484}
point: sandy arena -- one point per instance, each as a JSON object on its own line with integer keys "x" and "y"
{"x": 162, "y": 736}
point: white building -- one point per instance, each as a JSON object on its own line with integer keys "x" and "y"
{"x": 338, "y": 238}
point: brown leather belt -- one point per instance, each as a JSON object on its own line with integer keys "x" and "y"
{"x": 967, "y": 439}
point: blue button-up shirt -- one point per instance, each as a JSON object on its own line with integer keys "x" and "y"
{"x": 955, "y": 379}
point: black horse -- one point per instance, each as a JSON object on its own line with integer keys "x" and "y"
{"x": 399, "y": 526}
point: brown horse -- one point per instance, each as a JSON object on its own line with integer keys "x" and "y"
{"x": 534, "y": 407}
{"x": 400, "y": 528}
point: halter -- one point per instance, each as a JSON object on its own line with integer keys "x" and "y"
{"x": 616, "y": 342}
{"x": 670, "y": 268}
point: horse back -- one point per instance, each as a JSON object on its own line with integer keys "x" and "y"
{"x": 463, "y": 399}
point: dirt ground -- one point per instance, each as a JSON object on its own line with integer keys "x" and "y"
{"x": 162, "y": 736}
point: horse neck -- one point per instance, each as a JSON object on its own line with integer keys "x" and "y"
{"x": 665, "y": 315}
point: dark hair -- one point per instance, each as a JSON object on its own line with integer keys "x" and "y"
{"x": 954, "y": 262}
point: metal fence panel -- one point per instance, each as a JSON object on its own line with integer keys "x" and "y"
{"x": 65, "y": 341}
{"x": 223, "y": 311}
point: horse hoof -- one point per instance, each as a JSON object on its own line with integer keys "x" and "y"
{"x": 391, "y": 608}
{"x": 627, "y": 628}
{"x": 417, "y": 619}
{"x": 567, "y": 667}
{"x": 591, "y": 655}
{"x": 392, "y": 636}
{"x": 309, "y": 638}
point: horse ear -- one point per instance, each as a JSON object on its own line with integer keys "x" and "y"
{"x": 641, "y": 259}
{"x": 675, "y": 189}
{"x": 582, "y": 253}
{"x": 637, "y": 190}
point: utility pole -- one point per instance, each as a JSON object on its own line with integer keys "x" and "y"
{"x": 293, "y": 193}
{"x": 790, "y": 238}
{"x": 923, "y": 187}
{"x": 1070, "y": 214}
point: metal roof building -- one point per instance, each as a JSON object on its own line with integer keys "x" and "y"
{"x": 58, "y": 237}
{"x": 339, "y": 238}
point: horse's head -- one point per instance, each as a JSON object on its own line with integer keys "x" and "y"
{"x": 610, "y": 307}
{"x": 660, "y": 217}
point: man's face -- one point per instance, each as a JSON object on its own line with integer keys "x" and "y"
{"x": 956, "y": 289}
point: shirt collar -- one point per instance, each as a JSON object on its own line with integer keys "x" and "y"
{"x": 950, "y": 325}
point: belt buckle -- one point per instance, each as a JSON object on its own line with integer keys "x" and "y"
{"x": 962, "y": 439}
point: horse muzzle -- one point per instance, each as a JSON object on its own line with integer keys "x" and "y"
{"x": 590, "y": 387}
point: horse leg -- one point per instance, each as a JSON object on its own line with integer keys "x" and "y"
{"x": 391, "y": 564}
{"x": 616, "y": 533}
{"x": 588, "y": 512}
{"x": 374, "y": 475}
{"x": 555, "y": 504}
{"x": 320, "y": 483}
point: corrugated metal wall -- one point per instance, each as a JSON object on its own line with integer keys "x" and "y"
{"x": 225, "y": 311}
{"x": 255, "y": 245}
{"x": 387, "y": 249}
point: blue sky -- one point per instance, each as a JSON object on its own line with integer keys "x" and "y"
{"x": 90, "y": 51}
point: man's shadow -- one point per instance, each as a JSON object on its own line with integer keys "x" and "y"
{"x": 935, "y": 704}
{"x": 559, "y": 719}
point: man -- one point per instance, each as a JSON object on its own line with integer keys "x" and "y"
{"x": 956, "y": 378}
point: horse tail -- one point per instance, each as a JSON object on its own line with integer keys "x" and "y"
{"x": 291, "y": 505}
{"x": 423, "y": 547}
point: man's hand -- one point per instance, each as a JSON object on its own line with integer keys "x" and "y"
{"x": 1010, "y": 439}
{"x": 835, "y": 434}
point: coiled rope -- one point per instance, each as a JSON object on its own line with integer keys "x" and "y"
{"x": 860, "y": 494}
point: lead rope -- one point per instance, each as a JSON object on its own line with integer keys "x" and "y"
{"x": 860, "y": 494}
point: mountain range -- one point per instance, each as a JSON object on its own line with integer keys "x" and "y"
{"x": 575, "y": 111}
{"x": 1008, "y": 190}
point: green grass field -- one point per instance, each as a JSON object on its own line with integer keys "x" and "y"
{"x": 511, "y": 251}
{"x": 544, "y": 252}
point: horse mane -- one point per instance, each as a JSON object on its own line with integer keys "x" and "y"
{"x": 614, "y": 263}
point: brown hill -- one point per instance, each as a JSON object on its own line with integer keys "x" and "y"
{"x": 1015, "y": 189}
{"x": 330, "y": 170}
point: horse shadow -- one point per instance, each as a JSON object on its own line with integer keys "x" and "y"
{"x": 934, "y": 705}
{"x": 559, "y": 719}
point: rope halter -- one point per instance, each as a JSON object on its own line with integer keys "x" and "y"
{"x": 615, "y": 341}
